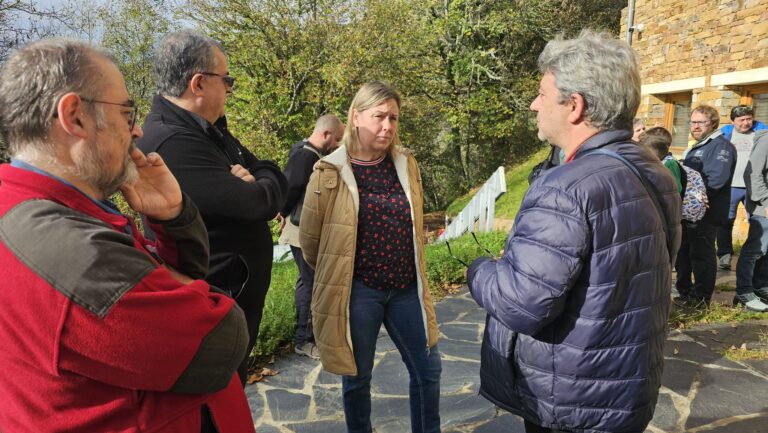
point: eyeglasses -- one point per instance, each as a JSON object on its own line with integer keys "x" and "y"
{"x": 228, "y": 79}
{"x": 466, "y": 265}
{"x": 698, "y": 122}
{"x": 128, "y": 104}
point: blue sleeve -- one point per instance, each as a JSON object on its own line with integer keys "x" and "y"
{"x": 527, "y": 287}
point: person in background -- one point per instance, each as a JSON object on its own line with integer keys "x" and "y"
{"x": 103, "y": 331}
{"x": 302, "y": 157}
{"x": 362, "y": 230}
{"x": 752, "y": 266}
{"x": 714, "y": 158}
{"x": 741, "y": 133}
{"x": 638, "y": 127}
{"x": 578, "y": 303}
{"x": 237, "y": 194}
{"x": 658, "y": 140}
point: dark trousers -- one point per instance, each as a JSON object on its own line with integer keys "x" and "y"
{"x": 752, "y": 267}
{"x": 725, "y": 231}
{"x": 535, "y": 428}
{"x": 697, "y": 257}
{"x": 251, "y": 300}
{"x": 303, "y": 298}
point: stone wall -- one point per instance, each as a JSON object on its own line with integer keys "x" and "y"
{"x": 689, "y": 38}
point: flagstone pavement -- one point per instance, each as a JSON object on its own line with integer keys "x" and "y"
{"x": 701, "y": 390}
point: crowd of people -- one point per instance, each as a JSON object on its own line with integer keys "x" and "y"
{"x": 110, "y": 328}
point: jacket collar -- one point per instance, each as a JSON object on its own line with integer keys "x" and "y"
{"x": 716, "y": 133}
{"x": 339, "y": 159}
{"x": 37, "y": 185}
{"x": 603, "y": 138}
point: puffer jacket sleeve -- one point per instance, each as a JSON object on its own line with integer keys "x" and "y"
{"x": 544, "y": 254}
{"x": 311, "y": 222}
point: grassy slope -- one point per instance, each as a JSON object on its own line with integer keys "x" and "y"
{"x": 517, "y": 184}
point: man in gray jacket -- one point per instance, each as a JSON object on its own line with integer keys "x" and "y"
{"x": 752, "y": 267}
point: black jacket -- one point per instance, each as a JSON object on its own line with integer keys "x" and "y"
{"x": 715, "y": 159}
{"x": 297, "y": 171}
{"x": 235, "y": 212}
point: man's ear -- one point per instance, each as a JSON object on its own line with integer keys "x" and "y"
{"x": 578, "y": 108}
{"x": 70, "y": 115}
{"x": 196, "y": 85}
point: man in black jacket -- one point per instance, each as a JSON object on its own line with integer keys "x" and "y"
{"x": 237, "y": 194}
{"x": 715, "y": 158}
{"x": 302, "y": 157}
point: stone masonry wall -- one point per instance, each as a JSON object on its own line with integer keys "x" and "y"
{"x": 693, "y": 38}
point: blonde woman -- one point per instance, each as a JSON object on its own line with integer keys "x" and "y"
{"x": 361, "y": 229}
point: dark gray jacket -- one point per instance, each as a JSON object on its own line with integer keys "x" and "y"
{"x": 578, "y": 303}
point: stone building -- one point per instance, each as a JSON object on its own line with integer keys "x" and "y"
{"x": 695, "y": 52}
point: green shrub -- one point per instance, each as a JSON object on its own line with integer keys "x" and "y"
{"x": 517, "y": 185}
{"x": 443, "y": 271}
{"x": 279, "y": 319}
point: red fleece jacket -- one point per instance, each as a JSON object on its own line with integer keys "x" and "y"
{"x": 94, "y": 333}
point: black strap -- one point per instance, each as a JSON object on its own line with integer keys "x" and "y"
{"x": 650, "y": 189}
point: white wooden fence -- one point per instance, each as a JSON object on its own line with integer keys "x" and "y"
{"x": 480, "y": 210}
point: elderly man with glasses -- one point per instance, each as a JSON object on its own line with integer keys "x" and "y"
{"x": 237, "y": 194}
{"x": 715, "y": 158}
{"x": 102, "y": 330}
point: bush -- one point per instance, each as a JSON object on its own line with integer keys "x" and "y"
{"x": 279, "y": 319}
{"x": 443, "y": 271}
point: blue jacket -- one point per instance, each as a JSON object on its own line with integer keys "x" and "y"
{"x": 715, "y": 159}
{"x": 727, "y": 130}
{"x": 578, "y": 303}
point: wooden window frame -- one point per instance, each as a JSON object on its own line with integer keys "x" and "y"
{"x": 749, "y": 91}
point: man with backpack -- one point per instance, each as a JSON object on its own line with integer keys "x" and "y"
{"x": 301, "y": 158}
{"x": 715, "y": 158}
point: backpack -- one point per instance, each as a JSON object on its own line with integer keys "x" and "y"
{"x": 694, "y": 195}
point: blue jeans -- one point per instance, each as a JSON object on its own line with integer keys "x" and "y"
{"x": 752, "y": 267}
{"x": 400, "y": 312}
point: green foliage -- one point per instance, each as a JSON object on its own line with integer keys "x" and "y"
{"x": 443, "y": 271}
{"x": 131, "y": 29}
{"x": 517, "y": 184}
{"x": 279, "y": 319}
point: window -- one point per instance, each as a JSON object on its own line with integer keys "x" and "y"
{"x": 677, "y": 113}
{"x": 757, "y": 97}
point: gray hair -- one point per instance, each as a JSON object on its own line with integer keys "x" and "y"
{"x": 32, "y": 82}
{"x": 181, "y": 55}
{"x": 600, "y": 68}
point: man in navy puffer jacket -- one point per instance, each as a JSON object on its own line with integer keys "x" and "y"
{"x": 578, "y": 304}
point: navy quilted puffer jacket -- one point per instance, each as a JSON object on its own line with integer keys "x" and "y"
{"x": 578, "y": 304}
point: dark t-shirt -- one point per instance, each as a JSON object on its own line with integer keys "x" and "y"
{"x": 384, "y": 258}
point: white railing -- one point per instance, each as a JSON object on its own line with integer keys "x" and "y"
{"x": 480, "y": 210}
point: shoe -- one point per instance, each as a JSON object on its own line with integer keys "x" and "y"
{"x": 751, "y": 302}
{"x": 690, "y": 303}
{"x": 308, "y": 349}
{"x": 762, "y": 294}
{"x": 724, "y": 262}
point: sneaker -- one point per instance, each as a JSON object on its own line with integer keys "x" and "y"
{"x": 751, "y": 302}
{"x": 724, "y": 262}
{"x": 307, "y": 348}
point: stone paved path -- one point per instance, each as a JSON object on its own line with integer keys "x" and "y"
{"x": 702, "y": 391}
